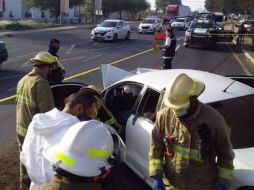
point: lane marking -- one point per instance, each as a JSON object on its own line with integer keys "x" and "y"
{"x": 74, "y": 45}
{"x": 6, "y": 78}
{"x": 92, "y": 58}
{"x": 247, "y": 72}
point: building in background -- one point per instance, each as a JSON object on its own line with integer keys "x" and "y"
{"x": 18, "y": 9}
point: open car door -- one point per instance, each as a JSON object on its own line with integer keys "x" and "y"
{"x": 63, "y": 90}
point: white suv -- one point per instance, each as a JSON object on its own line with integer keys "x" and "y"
{"x": 111, "y": 30}
{"x": 150, "y": 25}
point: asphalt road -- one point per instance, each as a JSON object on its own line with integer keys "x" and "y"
{"x": 79, "y": 54}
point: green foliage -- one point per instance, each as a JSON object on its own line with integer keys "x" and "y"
{"x": 22, "y": 25}
{"x": 230, "y": 6}
{"x": 132, "y": 6}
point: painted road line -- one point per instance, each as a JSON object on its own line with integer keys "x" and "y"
{"x": 92, "y": 58}
{"x": 247, "y": 72}
{"x": 74, "y": 45}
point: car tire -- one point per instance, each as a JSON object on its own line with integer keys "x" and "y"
{"x": 128, "y": 35}
{"x": 95, "y": 40}
{"x": 115, "y": 38}
{"x": 153, "y": 31}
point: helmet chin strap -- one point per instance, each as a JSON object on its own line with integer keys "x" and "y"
{"x": 104, "y": 173}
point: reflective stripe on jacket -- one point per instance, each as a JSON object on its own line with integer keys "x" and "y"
{"x": 185, "y": 169}
{"x": 34, "y": 96}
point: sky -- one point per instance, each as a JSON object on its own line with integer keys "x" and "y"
{"x": 193, "y": 4}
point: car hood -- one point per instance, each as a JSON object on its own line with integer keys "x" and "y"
{"x": 146, "y": 24}
{"x": 244, "y": 167}
{"x": 201, "y": 30}
{"x": 178, "y": 23}
{"x": 103, "y": 29}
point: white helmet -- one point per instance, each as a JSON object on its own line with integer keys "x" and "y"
{"x": 86, "y": 148}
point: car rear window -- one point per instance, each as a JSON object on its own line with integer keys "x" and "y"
{"x": 239, "y": 115}
{"x": 202, "y": 24}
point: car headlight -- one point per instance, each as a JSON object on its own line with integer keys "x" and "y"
{"x": 110, "y": 31}
{"x": 187, "y": 33}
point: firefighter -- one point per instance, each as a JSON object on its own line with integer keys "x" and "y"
{"x": 46, "y": 129}
{"x": 33, "y": 96}
{"x": 82, "y": 157}
{"x": 104, "y": 114}
{"x": 192, "y": 138}
{"x": 168, "y": 49}
{"x": 58, "y": 72}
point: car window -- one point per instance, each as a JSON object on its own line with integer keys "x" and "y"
{"x": 179, "y": 20}
{"x": 201, "y": 24}
{"x": 238, "y": 113}
{"x": 148, "y": 104}
{"x": 121, "y": 100}
{"x": 149, "y": 21}
{"x": 108, "y": 24}
{"x": 120, "y": 24}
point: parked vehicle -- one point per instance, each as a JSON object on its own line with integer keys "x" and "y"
{"x": 249, "y": 25}
{"x": 3, "y": 52}
{"x": 111, "y": 30}
{"x": 173, "y": 11}
{"x": 134, "y": 101}
{"x": 150, "y": 25}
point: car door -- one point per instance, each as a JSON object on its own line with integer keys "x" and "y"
{"x": 63, "y": 90}
{"x": 138, "y": 132}
{"x": 120, "y": 29}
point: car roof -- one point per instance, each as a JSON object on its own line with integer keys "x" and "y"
{"x": 217, "y": 87}
{"x": 113, "y": 20}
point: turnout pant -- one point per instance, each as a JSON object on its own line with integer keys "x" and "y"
{"x": 24, "y": 178}
{"x": 167, "y": 62}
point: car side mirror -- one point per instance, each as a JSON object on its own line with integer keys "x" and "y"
{"x": 134, "y": 119}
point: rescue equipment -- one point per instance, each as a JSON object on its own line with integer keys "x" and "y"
{"x": 168, "y": 141}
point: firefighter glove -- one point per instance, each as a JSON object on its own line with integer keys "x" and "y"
{"x": 158, "y": 183}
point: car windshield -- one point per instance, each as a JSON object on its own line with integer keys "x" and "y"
{"x": 179, "y": 20}
{"x": 248, "y": 22}
{"x": 218, "y": 18}
{"x": 242, "y": 126}
{"x": 202, "y": 24}
{"x": 149, "y": 21}
{"x": 108, "y": 24}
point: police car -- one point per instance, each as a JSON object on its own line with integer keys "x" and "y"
{"x": 134, "y": 99}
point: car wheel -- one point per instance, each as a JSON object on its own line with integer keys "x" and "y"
{"x": 140, "y": 32}
{"x": 115, "y": 37}
{"x": 153, "y": 31}
{"x": 128, "y": 35}
{"x": 95, "y": 40}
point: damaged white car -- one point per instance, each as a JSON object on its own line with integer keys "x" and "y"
{"x": 134, "y": 99}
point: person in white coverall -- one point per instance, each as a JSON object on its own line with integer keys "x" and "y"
{"x": 47, "y": 129}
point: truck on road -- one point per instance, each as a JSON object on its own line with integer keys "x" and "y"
{"x": 173, "y": 11}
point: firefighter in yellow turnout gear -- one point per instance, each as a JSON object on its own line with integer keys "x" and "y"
{"x": 33, "y": 96}
{"x": 187, "y": 138}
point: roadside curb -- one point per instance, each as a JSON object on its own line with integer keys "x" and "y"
{"x": 247, "y": 55}
{"x": 12, "y": 33}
